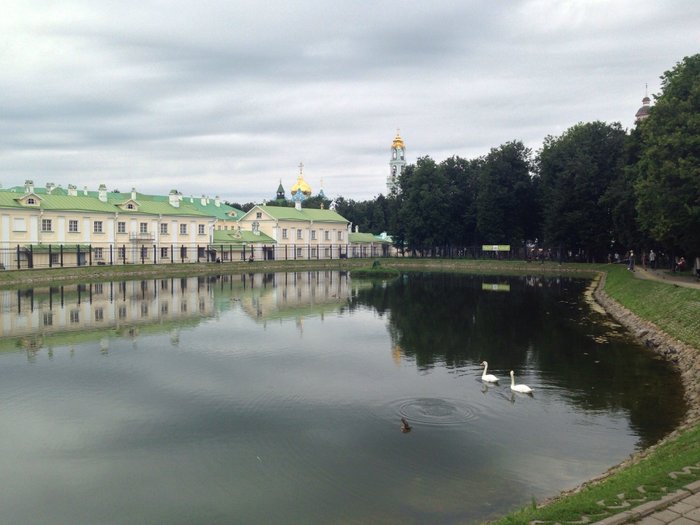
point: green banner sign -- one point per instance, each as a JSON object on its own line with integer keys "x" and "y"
{"x": 496, "y": 247}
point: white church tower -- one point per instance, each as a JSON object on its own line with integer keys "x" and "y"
{"x": 396, "y": 164}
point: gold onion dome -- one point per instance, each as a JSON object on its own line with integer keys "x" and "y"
{"x": 301, "y": 185}
{"x": 398, "y": 142}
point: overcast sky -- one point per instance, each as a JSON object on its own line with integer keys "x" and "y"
{"x": 227, "y": 97}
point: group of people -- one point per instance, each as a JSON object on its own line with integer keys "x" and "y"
{"x": 650, "y": 259}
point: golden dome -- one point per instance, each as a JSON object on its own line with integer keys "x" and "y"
{"x": 398, "y": 141}
{"x": 301, "y": 185}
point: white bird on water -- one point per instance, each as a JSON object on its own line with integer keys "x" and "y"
{"x": 488, "y": 377}
{"x": 523, "y": 389}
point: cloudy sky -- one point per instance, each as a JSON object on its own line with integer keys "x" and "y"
{"x": 227, "y": 97}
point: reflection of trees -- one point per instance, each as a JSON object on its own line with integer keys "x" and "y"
{"x": 541, "y": 324}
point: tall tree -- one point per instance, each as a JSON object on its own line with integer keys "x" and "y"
{"x": 462, "y": 183}
{"x": 505, "y": 204}
{"x": 575, "y": 170}
{"x": 424, "y": 206}
{"x": 668, "y": 188}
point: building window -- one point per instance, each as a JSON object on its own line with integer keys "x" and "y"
{"x": 183, "y": 229}
{"x": 299, "y": 235}
{"x": 121, "y": 227}
{"x": 258, "y": 215}
{"x": 48, "y": 318}
{"x": 19, "y": 224}
{"x": 121, "y": 252}
{"x": 164, "y": 228}
{"x": 164, "y": 253}
{"x": 122, "y": 312}
{"x": 98, "y": 253}
{"x": 201, "y": 229}
{"x": 313, "y": 252}
{"x": 143, "y": 227}
{"x": 55, "y": 258}
{"x": 284, "y": 233}
{"x": 99, "y": 314}
{"x": 340, "y": 235}
{"x": 46, "y": 225}
{"x": 144, "y": 309}
{"x": 75, "y": 316}
{"x": 299, "y": 253}
{"x": 31, "y": 200}
{"x": 72, "y": 226}
{"x": 98, "y": 289}
{"x": 130, "y": 206}
{"x": 97, "y": 226}
{"x": 313, "y": 235}
{"x": 327, "y": 235}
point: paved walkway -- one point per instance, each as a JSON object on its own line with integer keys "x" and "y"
{"x": 666, "y": 277}
{"x": 681, "y": 507}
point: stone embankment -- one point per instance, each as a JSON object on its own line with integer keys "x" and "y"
{"x": 684, "y": 357}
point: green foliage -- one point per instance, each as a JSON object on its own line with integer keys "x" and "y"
{"x": 575, "y": 170}
{"x": 668, "y": 187}
{"x": 505, "y": 202}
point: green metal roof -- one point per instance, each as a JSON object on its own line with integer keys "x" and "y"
{"x": 234, "y": 237}
{"x": 90, "y": 203}
{"x": 305, "y": 214}
{"x": 366, "y": 238}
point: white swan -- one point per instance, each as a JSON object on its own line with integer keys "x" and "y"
{"x": 488, "y": 377}
{"x": 523, "y": 389}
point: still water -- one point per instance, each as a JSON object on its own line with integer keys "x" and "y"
{"x": 277, "y": 399}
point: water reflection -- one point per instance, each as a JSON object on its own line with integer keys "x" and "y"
{"x": 542, "y": 326}
{"x": 279, "y": 398}
{"x": 46, "y": 316}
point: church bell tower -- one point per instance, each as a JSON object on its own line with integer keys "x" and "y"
{"x": 396, "y": 164}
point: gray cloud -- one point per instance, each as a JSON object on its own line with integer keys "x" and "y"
{"x": 227, "y": 97}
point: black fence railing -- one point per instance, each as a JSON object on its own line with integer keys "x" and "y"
{"x": 37, "y": 256}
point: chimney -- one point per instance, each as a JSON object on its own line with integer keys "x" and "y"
{"x": 28, "y": 186}
{"x": 72, "y": 190}
{"x": 133, "y": 194}
{"x": 174, "y": 199}
{"x": 102, "y": 193}
{"x": 297, "y": 205}
{"x": 50, "y": 187}
{"x": 85, "y": 190}
{"x": 203, "y": 200}
{"x": 217, "y": 201}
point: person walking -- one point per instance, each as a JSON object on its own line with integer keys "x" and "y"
{"x": 652, "y": 259}
{"x": 630, "y": 263}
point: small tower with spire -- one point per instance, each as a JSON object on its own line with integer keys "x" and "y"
{"x": 397, "y": 163}
{"x": 643, "y": 112}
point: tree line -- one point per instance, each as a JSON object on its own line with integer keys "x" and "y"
{"x": 592, "y": 191}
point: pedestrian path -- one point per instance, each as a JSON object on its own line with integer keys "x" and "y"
{"x": 661, "y": 276}
{"x": 681, "y": 507}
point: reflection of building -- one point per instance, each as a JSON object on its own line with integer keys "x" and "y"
{"x": 295, "y": 294}
{"x": 61, "y": 312}
{"x": 62, "y": 315}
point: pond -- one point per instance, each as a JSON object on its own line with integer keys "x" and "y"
{"x": 278, "y": 398}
